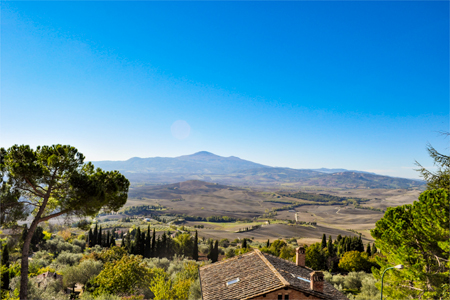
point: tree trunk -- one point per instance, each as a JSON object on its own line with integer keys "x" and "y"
{"x": 23, "y": 294}
{"x": 24, "y": 268}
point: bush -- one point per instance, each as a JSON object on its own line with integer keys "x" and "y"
{"x": 87, "y": 296}
{"x": 106, "y": 255}
{"x": 68, "y": 258}
{"x": 80, "y": 243}
{"x": 126, "y": 276}
{"x": 195, "y": 291}
{"x": 355, "y": 261}
{"x": 35, "y": 265}
{"x": 203, "y": 249}
{"x": 58, "y": 245}
{"x": 81, "y": 273}
{"x": 360, "y": 282}
{"x": 353, "y": 280}
{"x": 155, "y": 262}
{"x": 224, "y": 243}
{"x": 368, "y": 289}
{"x": 336, "y": 280}
{"x": 44, "y": 255}
{"x": 42, "y": 258}
{"x": 230, "y": 252}
{"x": 52, "y": 289}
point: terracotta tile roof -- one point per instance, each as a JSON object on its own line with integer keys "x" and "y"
{"x": 259, "y": 273}
{"x": 290, "y": 271}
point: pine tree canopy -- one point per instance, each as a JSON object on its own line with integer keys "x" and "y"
{"x": 416, "y": 236}
{"x": 55, "y": 181}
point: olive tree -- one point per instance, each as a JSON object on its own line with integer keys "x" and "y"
{"x": 54, "y": 181}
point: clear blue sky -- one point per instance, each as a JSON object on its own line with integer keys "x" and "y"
{"x": 355, "y": 85}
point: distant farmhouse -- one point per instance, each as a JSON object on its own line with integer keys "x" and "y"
{"x": 257, "y": 275}
{"x": 44, "y": 278}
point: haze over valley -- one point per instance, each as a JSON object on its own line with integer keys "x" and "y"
{"x": 232, "y": 170}
{"x": 207, "y": 185}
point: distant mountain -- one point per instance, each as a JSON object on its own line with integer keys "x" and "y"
{"x": 232, "y": 170}
{"x": 330, "y": 171}
{"x": 198, "y": 163}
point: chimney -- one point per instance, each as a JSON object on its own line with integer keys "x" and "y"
{"x": 300, "y": 258}
{"x": 317, "y": 281}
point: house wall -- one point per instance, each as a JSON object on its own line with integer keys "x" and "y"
{"x": 293, "y": 295}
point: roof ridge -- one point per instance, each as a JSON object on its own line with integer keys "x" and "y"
{"x": 272, "y": 268}
{"x": 228, "y": 260}
{"x": 288, "y": 261}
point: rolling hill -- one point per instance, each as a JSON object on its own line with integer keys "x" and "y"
{"x": 232, "y": 170}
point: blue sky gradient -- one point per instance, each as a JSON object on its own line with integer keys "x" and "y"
{"x": 356, "y": 85}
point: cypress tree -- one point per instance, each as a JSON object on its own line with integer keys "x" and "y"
{"x": 244, "y": 243}
{"x": 324, "y": 241}
{"x": 353, "y": 245}
{"x": 216, "y": 251}
{"x": 169, "y": 247}
{"x": 90, "y": 238}
{"x": 124, "y": 243}
{"x": 210, "y": 250}
{"x": 108, "y": 239}
{"x": 158, "y": 247}
{"x": 345, "y": 245}
{"x": 348, "y": 246}
{"x": 268, "y": 243}
{"x": 148, "y": 249}
{"x": 128, "y": 242}
{"x": 360, "y": 244}
{"x": 163, "y": 252}
{"x": 195, "y": 250}
{"x": 5, "y": 273}
{"x": 368, "y": 250}
{"x": 112, "y": 242}
{"x": 137, "y": 241}
{"x": 374, "y": 249}
{"x": 330, "y": 247}
{"x": 95, "y": 239}
{"x": 100, "y": 237}
{"x": 153, "y": 251}
{"x": 142, "y": 248}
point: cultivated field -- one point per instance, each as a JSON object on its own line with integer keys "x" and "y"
{"x": 305, "y": 234}
{"x": 198, "y": 198}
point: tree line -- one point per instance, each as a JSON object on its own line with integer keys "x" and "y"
{"x": 141, "y": 209}
{"x": 323, "y": 198}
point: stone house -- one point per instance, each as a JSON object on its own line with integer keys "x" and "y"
{"x": 43, "y": 279}
{"x": 257, "y": 275}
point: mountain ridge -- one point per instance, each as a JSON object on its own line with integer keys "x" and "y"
{"x": 202, "y": 162}
{"x": 233, "y": 170}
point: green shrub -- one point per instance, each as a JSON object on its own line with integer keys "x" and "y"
{"x": 68, "y": 258}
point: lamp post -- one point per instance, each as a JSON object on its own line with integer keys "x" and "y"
{"x": 396, "y": 267}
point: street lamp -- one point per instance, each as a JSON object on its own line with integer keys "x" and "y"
{"x": 396, "y": 267}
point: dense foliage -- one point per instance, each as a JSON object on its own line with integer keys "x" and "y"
{"x": 53, "y": 181}
{"x": 418, "y": 237}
